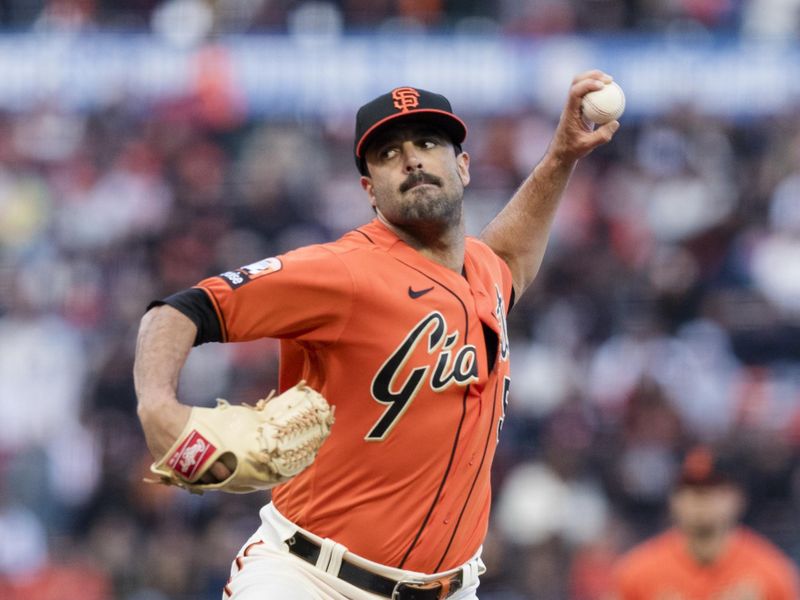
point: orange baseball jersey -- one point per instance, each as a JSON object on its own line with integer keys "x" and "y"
{"x": 415, "y": 359}
{"x": 751, "y": 568}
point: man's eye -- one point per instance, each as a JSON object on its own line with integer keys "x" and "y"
{"x": 387, "y": 153}
{"x": 428, "y": 144}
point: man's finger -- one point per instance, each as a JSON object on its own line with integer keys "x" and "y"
{"x": 593, "y": 74}
{"x": 603, "y": 134}
{"x": 580, "y": 89}
{"x": 218, "y": 472}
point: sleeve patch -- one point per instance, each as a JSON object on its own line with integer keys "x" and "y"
{"x": 237, "y": 278}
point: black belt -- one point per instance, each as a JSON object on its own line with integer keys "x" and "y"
{"x": 307, "y": 549}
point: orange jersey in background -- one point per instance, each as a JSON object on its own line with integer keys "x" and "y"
{"x": 414, "y": 357}
{"x": 751, "y": 568}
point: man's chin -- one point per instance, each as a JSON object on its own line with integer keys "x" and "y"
{"x": 430, "y": 215}
{"x": 706, "y": 531}
{"x": 426, "y": 204}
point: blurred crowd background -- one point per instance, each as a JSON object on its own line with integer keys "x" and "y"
{"x": 667, "y": 310}
{"x": 528, "y": 17}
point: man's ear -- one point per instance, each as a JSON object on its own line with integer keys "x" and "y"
{"x": 462, "y": 164}
{"x": 366, "y": 184}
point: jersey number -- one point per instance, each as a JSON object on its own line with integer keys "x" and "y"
{"x": 502, "y": 419}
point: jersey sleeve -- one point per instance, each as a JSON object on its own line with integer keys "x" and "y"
{"x": 306, "y": 295}
{"x": 196, "y": 305}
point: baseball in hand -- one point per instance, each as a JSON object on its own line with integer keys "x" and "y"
{"x": 602, "y": 106}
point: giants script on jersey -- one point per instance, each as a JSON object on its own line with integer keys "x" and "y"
{"x": 452, "y": 368}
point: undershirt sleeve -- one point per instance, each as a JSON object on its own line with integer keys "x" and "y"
{"x": 195, "y": 304}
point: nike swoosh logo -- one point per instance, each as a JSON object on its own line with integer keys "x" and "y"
{"x": 417, "y": 293}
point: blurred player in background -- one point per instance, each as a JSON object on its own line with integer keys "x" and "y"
{"x": 707, "y": 555}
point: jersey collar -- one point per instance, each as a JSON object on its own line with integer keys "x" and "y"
{"x": 469, "y": 281}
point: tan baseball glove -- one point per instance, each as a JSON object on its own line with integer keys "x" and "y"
{"x": 263, "y": 445}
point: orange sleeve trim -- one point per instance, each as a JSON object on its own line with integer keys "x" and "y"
{"x": 220, "y": 317}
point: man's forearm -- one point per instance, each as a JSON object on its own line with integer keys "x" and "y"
{"x": 519, "y": 233}
{"x": 165, "y": 338}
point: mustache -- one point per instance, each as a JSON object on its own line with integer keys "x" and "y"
{"x": 417, "y": 178}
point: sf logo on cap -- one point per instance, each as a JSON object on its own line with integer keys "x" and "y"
{"x": 405, "y": 98}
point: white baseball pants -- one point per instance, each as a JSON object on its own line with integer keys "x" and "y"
{"x": 264, "y": 569}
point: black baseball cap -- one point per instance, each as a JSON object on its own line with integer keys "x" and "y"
{"x": 702, "y": 467}
{"x": 402, "y": 103}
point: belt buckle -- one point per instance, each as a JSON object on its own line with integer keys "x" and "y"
{"x": 396, "y": 590}
{"x": 405, "y": 583}
{"x": 442, "y": 586}
{"x": 398, "y": 587}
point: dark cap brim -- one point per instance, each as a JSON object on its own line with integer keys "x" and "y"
{"x": 705, "y": 482}
{"x": 450, "y": 123}
{"x": 704, "y": 468}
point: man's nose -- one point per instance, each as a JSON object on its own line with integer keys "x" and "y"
{"x": 411, "y": 157}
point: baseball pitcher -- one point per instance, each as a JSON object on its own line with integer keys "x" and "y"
{"x": 394, "y": 369}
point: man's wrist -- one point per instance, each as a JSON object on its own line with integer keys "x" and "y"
{"x": 553, "y": 162}
{"x": 155, "y": 403}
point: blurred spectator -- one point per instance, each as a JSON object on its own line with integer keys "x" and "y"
{"x": 66, "y": 15}
{"x": 776, "y": 253}
{"x": 189, "y": 21}
{"x": 777, "y": 19}
{"x": 42, "y": 363}
{"x": 28, "y": 572}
